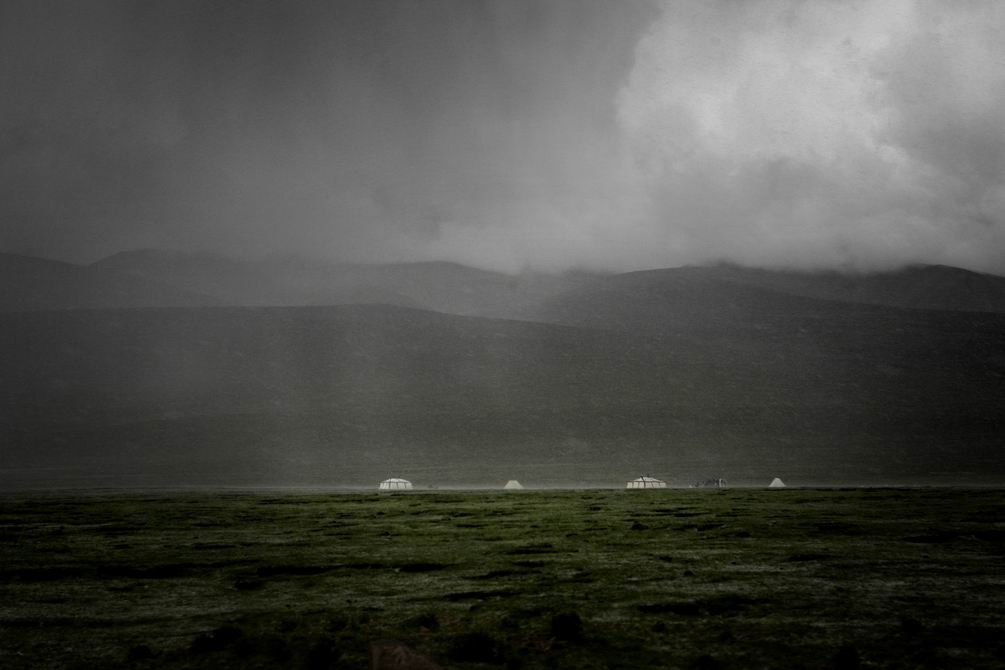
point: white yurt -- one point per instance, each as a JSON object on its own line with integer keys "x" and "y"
{"x": 646, "y": 482}
{"x": 395, "y": 484}
{"x": 776, "y": 483}
{"x": 513, "y": 485}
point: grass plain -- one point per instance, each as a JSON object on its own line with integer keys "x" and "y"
{"x": 794, "y": 578}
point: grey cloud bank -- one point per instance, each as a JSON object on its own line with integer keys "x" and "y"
{"x": 823, "y": 133}
{"x": 507, "y": 135}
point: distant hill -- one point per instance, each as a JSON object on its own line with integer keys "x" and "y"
{"x": 457, "y": 289}
{"x": 786, "y": 334}
{"x": 38, "y": 284}
{"x": 745, "y": 304}
{"x": 688, "y": 373}
{"x": 352, "y": 394}
{"x": 937, "y": 287}
{"x": 444, "y": 287}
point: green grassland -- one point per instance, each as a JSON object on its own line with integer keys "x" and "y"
{"x": 871, "y": 578}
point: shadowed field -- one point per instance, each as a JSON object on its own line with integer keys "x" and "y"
{"x": 875, "y": 578}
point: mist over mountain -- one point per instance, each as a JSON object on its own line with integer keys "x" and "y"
{"x": 457, "y": 289}
{"x": 937, "y": 287}
{"x": 445, "y": 287}
{"x": 558, "y": 238}
{"x": 692, "y": 372}
{"x": 723, "y": 300}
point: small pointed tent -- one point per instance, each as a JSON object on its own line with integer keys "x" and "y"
{"x": 776, "y": 483}
{"x": 513, "y": 485}
{"x": 646, "y": 482}
{"x": 395, "y": 484}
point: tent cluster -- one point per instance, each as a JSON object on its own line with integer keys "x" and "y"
{"x": 647, "y": 482}
{"x": 643, "y": 482}
{"x": 398, "y": 484}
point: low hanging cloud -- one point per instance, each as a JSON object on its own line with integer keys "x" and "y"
{"x": 860, "y": 135}
{"x": 509, "y": 134}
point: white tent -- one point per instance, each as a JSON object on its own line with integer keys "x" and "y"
{"x": 646, "y": 482}
{"x": 776, "y": 483}
{"x": 513, "y": 485}
{"x": 395, "y": 484}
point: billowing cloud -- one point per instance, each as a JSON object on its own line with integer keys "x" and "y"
{"x": 825, "y": 132}
{"x": 509, "y": 133}
{"x": 784, "y": 133}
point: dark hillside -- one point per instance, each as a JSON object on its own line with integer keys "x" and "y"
{"x": 457, "y": 289}
{"x": 745, "y": 320}
{"x": 725, "y": 298}
{"x": 925, "y": 378}
{"x": 937, "y": 287}
{"x": 348, "y": 395}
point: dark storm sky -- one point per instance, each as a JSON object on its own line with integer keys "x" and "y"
{"x": 507, "y": 134}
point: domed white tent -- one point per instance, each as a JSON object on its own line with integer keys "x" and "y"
{"x": 776, "y": 483}
{"x": 513, "y": 485}
{"x": 646, "y": 482}
{"x": 395, "y": 484}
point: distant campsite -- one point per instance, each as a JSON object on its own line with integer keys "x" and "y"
{"x": 641, "y": 482}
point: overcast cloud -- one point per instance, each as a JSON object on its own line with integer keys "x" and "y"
{"x": 509, "y": 134}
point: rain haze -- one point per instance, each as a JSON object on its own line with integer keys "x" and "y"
{"x": 508, "y": 135}
{"x": 530, "y": 334}
{"x": 728, "y": 241}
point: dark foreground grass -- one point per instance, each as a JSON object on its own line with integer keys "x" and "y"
{"x": 678, "y": 579}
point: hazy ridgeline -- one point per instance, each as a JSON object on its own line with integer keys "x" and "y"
{"x": 881, "y": 578}
{"x": 688, "y": 374}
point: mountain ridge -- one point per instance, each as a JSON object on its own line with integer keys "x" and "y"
{"x": 436, "y": 285}
{"x": 154, "y": 278}
{"x": 456, "y": 288}
{"x": 690, "y": 372}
